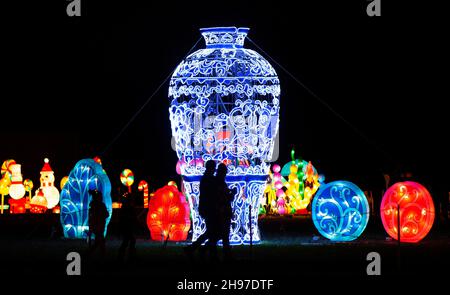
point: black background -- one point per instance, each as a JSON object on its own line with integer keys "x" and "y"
{"x": 70, "y": 84}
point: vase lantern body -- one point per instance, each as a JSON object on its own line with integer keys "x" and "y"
{"x": 224, "y": 107}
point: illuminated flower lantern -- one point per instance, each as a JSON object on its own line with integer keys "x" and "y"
{"x": 168, "y": 215}
{"x": 340, "y": 211}
{"x": 416, "y": 211}
{"x": 302, "y": 184}
{"x": 38, "y": 203}
{"x": 311, "y": 183}
{"x": 75, "y": 197}
{"x": 47, "y": 179}
{"x": 225, "y": 107}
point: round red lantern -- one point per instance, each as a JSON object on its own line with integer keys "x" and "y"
{"x": 168, "y": 215}
{"x": 414, "y": 204}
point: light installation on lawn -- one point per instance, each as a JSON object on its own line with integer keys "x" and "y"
{"x": 16, "y": 189}
{"x": 225, "y": 107}
{"x": 75, "y": 197}
{"x": 47, "y": 180}
{"x": 143, "y": 186}
{"x": 416, "y": 211}
{"x": 340, "y": 211}
{"x": 127, "y": 178}
{"x": 168, "y": 215}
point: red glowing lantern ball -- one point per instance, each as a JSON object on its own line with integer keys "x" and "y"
{"x": 416, "y": 211}
{"x": 168, "y": 215}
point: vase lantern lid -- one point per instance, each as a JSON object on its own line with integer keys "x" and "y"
{"x": 224, "y": 37}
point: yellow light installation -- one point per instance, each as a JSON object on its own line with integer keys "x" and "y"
{"x": 63, "y": 182}
{"x": 269, "y": 197}
{"x": 5, "y": 182}
{"x": 116, "y": 205}
{"x": 311, "y": 185}
{"x": 293, "y": 189}
{"x": 4, "y": 190}
{"x": 172, "y": 183}
{"x": 291, "y": 196}
{"x": 28, "y": 184}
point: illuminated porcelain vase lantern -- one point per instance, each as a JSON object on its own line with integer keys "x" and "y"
{"x": 75, "y": 197}
{"x": 416, "y": 211}
{"x": 225, "y": 107}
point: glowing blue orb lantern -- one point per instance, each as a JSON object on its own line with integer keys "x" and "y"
{"x": 75, "y": 197}
{"x": 340, "y": 211}
{"x": 225, "y": 106}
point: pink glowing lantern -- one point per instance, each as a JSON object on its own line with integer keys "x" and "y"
{"x": 278, "y": 184}
{"x": 276, "y": 168}
{"x": 281, "y": 206}
{"x": 180, "y": 166}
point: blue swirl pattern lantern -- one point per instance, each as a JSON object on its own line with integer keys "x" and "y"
{"x": 340, "y": 211}
{"x": 225, "y": 106}
{"x": 75, "y": 197}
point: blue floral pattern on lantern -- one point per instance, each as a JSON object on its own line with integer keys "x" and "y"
{"x": 225, "y": 107}
{"x": 75, "y": 198}
{"x": 340, "y": 211}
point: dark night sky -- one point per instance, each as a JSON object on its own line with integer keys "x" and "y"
{"x": 70, "y": 84}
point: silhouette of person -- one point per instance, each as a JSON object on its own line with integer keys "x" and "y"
{"x": 128, "y": 222}
{"x": 208, "y": 210}
{"x": 97, "y": 221}
{"x": 225, "y": 199}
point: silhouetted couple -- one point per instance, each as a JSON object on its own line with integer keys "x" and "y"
{"x": 215, "y": 208}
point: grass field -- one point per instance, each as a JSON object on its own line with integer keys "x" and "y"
{"x": 290, "y": 248}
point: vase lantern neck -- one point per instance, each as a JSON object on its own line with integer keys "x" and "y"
{"x": 224, "y": 37}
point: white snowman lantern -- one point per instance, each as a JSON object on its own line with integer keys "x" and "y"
{"x": 48, "y": 188}
{"x": 16, "y": 190}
